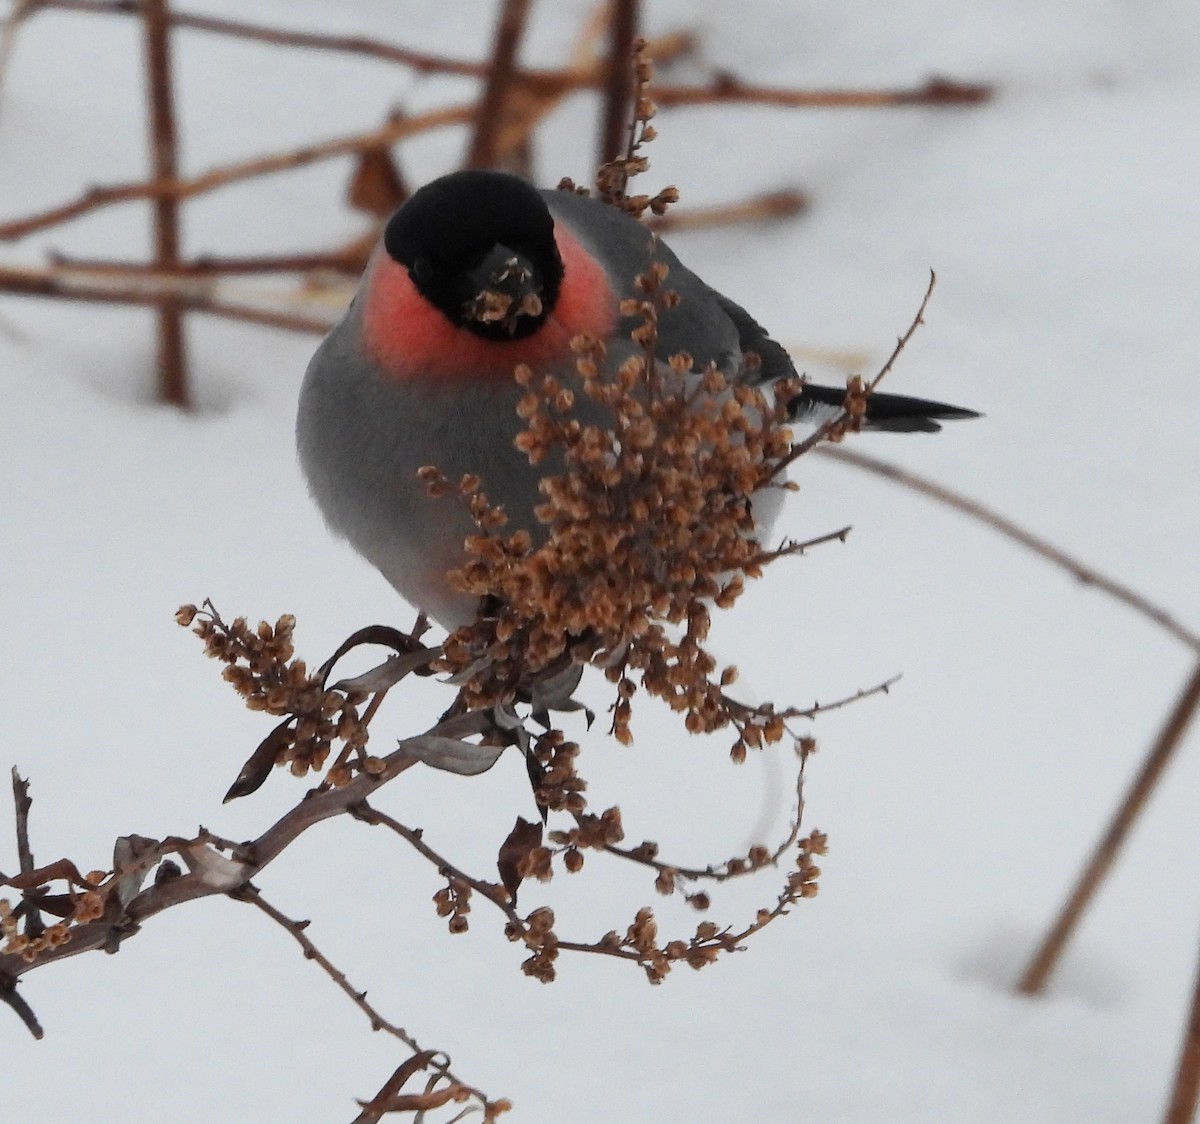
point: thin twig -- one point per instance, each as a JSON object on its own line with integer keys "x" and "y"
{"x": 726, "y": 88}
{"x": 1185, "y": 1093}
{"x": 546, "y": 82}
{"x": 11, "y": 997}
{"x": 225, "y": 174}
{"x": 172, "y": 355}
{"x": 349, "y": 259}
{"x": 253, "y": 857}
{"x": 618, "y": 81}
{"x": 840, "y": 420}
{"x": 486, "y": 150}
{"x": 1010, "y": 530}
{"x": 22, "y": 804}
{"x": 766, "y": 207}
{"x": 150, "y": 291}
{"x": 428, "y": 1058}
{"x": 1033, "y": 979}
{"x": 296, "y": 929}
{"x": 8, "y": 37}
{"x": 722, "y": 872}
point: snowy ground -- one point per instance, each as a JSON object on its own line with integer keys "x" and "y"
{"x": 1063, "y": 222}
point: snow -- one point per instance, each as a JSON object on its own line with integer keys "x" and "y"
{"x": 1062, "y": 219}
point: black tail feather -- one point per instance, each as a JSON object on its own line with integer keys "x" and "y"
{"x": 890, "y": 413}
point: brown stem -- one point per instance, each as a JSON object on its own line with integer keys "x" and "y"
{"x": 618, "y": 80}
{"x": 172, "y": 357}
{"x": 417, "y": 60}
{"x": 51, "y": 283}
{"x": 822, "y": 432}
{"x": 22, "y": 804}
{"x": 225, "y": 174}
{"x": 1185, "y": 1093}
{"x": 544, "y": 83}
{"x": 1017, "y": 534}
{"x": 726, "y": 88}
{"x": 1033, "y": 980}
{"x": 758, "y": 208}
{"x": 486, "y": 149}
{"x": 350, "y": 260}
{"x": 107, "y": 934}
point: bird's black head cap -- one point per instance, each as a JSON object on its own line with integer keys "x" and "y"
{"x": 480, "y": 247}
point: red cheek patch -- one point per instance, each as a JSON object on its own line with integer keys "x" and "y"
{"x": 407, "y": 337}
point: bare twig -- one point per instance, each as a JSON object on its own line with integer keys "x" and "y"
{"x": 225, "y": 174}
{"x": 422, "y": 1059}
{"x": 726, "y": 88}
{"x": 251, "y": 894}
{"x": 420, "y": 61}
{"x": 770, "y": 205}
{"x": 618, "y": 81}
{"x": 11, "y": 997}
{"x": 546, "y": 82}
{"x": 1010, "y": 530}
{"x": 485, "y": 150}
{"x": 836, "y": 423}
{"x": 1185, "y": 1093}
{"x": 172, "y": 357}
{"x": 22, "y": 804}
{"x": 251, "y": 858}
{"x": 349, "y": 259}
{"x": 150, "y": 291}
{"x": 1033, "y": 979}
{"x": 8, "y": 37}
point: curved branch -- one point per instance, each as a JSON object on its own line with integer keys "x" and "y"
{"x": 1015, "y": 533}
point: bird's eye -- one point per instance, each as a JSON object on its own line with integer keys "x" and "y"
{"x": 421, "y": 271}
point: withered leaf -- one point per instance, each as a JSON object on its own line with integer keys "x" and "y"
{"x": 524, "y": 838}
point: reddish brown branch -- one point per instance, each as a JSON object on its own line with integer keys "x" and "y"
{"x": 486, "y": 148}
{"x": 1010, "y": 530}
{"x": 1185, "y": 1093}
{"x": 349, "y": 259}
{"x": 726, "y": 88}
{"x": 1033, "y": 980}
{"x": 618, "y": 80}
{"x": 172, "y": 356}
{"x": 252, "y": 858}
{"x": 417, "y": 60}
{"x": 225, "y": 174}
{"x": 758, "y": 208}
{"x": 150, "y": 292}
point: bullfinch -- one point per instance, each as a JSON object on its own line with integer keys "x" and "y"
{"x": 476, "y": 273}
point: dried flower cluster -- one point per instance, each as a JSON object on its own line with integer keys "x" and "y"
{"x": 612, "y": 180}
{"x": 88, "y": 907}
{"x": 647, "y": 527}
{"x": 640, "y": 941}
{"x": 261, "y": 667}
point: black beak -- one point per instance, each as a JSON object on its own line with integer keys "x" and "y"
{"x": 504, "y": 292}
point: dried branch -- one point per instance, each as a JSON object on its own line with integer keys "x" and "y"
{"x": 22, "y": 804}
{"x": 1010, "y": 530}
{"x": 350, "y": 260}
{"x": 766, "y": 207}
{"x": 725, "y": 88}
{"x": 619, "y": 80}
{"x": 485, "y": 150}
{"x": 836, "y": 426}
{"x": 420, "y": 61}
{"x": 172, "y": 355}
{"x": 225, "y": 174}
{"x": 1034, "y": 978}
{"x": 150, "y": 291}
{"x": 211, "y": 872}
{"x": 1185, "y": 1093}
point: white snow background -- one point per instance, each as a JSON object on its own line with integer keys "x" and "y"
{"x": 1063, "y": 220}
